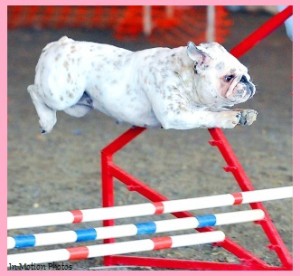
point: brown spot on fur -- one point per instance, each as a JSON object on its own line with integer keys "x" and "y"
{"x": 232, "y": 71}
{"x": 57, "y": 57}
{"x": 66, "y": 65}
{"x": 220, "y": 65}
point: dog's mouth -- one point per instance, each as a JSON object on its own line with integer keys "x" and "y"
{"x": 249, "y": 86}
{"x": 240, "y": 90}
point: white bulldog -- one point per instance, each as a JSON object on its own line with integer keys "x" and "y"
{"x": 181, "y": 88}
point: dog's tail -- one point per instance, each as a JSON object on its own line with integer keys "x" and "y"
{"x": 63, "y": 40}
{"x": 30, "y": 88}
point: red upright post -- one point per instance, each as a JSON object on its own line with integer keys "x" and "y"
{"x": 107, "y": 176}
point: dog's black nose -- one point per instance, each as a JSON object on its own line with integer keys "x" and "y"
{"x": 252, "y": 90}
{"x": 244, "y": 79}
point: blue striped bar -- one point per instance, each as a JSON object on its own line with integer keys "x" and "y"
{"x": 23, "y": 241}
{"x": 207, "y": 220}
{"x": 84, "y": 235}
{"x": 146, "y": 228}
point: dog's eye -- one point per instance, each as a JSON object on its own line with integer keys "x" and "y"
{"x": 229, "y": 78}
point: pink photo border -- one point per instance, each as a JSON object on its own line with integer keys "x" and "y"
{"x": 3, "y": 113}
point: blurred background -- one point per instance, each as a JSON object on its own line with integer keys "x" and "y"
{"x": 60, "y": 171}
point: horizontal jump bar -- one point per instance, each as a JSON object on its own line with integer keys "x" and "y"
{"x": 85, "y": 252}
{"x": 135, "y": 210}
{"x": 143, "y": 228}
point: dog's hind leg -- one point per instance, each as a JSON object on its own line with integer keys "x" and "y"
{"x": 82, "y": 107}
{"x": 46, "y": 114}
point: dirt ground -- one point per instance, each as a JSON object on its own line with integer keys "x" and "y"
{"x": 60, "y": 171}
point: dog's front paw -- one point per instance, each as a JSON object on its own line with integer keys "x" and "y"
{"x": 248, "y": 116}
{"x": 228, "y": 118}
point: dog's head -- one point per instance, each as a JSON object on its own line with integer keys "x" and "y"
{"x": 220, "y": 79}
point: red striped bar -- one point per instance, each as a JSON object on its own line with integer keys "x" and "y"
{"x": 162, "y": 243}
{"x": 159, "y": 208}
{"x": 78, "y": 216}
{"x": 135, "y": 210}
{"x": 78, "y": 253}
{"x": 99, "y": 250}
{"x": 238, "y": 198}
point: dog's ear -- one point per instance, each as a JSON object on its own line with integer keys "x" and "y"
{"x": 198, "y": 56}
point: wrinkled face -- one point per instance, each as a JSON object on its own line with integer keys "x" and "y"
{"x": 220, "y": 79}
